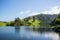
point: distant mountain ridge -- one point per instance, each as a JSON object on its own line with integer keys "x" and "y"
{"x": 44, "y": 18}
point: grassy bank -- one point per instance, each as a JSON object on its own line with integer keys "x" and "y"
{"x": 2, "y": 24}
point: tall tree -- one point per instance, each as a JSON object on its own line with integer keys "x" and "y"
{"x": 17, "y": 21}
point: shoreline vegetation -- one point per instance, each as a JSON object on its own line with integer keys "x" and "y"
{"x": 19, "y": 22}
{"x": 34, "y": 21}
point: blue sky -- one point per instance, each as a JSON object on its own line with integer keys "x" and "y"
{"x": 10, "y": 9}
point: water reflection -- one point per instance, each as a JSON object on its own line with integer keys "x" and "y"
{"x": 39, "y": 29}
{"x": 37, "y": 34}
{"x": 26, "y": 33}
{"x": 17, "y": 29}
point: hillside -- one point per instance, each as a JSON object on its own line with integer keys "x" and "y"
{"x": 45, "y": 19}
{"x": 56, "y": 21}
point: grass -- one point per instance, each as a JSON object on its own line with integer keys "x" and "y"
{"x": 2, "y": 24}
{"x": 58, "y": 19}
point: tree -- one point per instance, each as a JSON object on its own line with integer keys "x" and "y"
{"x": 17, "y": 22}
{"x": 56, "y": 21}
{"x": 33, "y": 22}
{"x": 30, "y": 21}
{"x": 11, "y": 23}
{"x": 22, "y": 22}
{"x": 36, "y": 23}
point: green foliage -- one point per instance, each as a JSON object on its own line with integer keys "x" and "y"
{"x": 23, "y": 22}
{"x": 19, "y": 22}
{"x": 2, "y": 24}
{"x": 30, "y": 21}
{"x": 58, "y": 19}
{"x": 55, "y": 22}
{"x": 11, "y": 23}
{"x": 34, "y": 22}
{"x": 16, "y": 22}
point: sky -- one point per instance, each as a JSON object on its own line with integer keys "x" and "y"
{"x": 10, "y": 9}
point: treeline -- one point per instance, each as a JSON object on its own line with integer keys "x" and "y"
{"x": 22, "y": 22}
{"x": 37, "y": 20}
{"x": 56, "y": 21}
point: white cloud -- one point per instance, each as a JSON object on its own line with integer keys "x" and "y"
{"x": 21, "y": 12}
{"x": 54, "y": 10}
{"x": 28, "y": 11}
{"x": 24, "y": 12}
{"x": 34, "y": 13}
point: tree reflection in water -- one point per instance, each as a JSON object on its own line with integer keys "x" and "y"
{"x": 39, "y": 29}
{"x": 32, "y": 32}
{"x": 17, "y": 29}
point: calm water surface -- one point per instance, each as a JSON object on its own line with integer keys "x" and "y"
{"x": 25, "y": 33}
